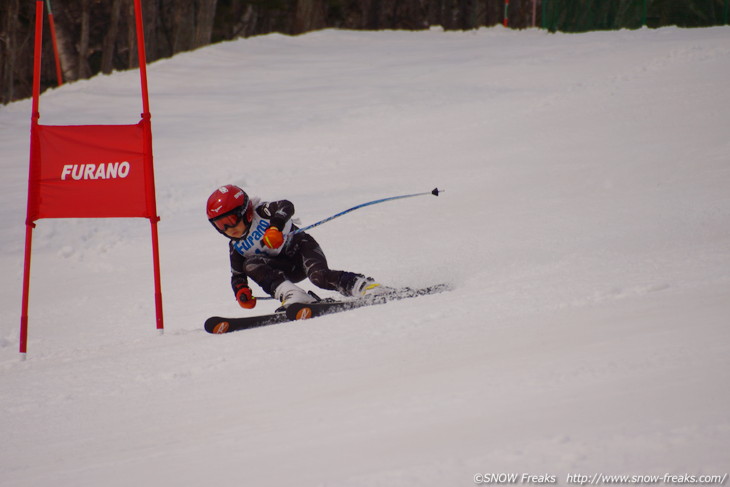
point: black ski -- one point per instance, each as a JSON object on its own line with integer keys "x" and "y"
{"x": 299, "y": 311}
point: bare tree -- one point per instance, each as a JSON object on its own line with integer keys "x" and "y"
{"x": 110, "y": 39}
{"x": 100, "y": 35}
{"x": 83, "y": 46}
{"x": 132, "y": 56}
{"x": 309, "y": 15}
{"x": 8, "y": 50}
{"x": 205, "y": 17}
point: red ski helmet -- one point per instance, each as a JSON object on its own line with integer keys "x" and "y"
{"x": 227, "y": 206}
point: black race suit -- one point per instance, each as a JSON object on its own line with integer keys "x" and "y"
{"x": 300, "y": 256}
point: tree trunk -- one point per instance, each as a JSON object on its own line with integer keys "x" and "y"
{"x": 8, "y": 66}
{"x": 182, "y": 27}
{"x": 150, "y": 18}
{"x": 66, "y": 51}
{"x": 83, "y": 50}
{"x": 110, "y": 39}
{"x": 309, "y": 15}
{"x": 204, "y": 22}
{"x": 132, "y": 61}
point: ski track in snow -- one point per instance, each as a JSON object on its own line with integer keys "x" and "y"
{"x": 585, "y": 228}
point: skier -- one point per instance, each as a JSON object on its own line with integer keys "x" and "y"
{"x": 263, "y": 248}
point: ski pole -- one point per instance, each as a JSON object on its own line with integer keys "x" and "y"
{"x": 434, "y": 192}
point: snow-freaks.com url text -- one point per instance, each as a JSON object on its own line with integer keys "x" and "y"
{"x": 667, "y": 478}
{"x": 600, "y": 479}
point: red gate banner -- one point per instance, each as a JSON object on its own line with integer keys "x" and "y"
{"x": 88, "y": 171}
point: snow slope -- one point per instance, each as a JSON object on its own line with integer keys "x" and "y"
{"x": 585, "y": 228}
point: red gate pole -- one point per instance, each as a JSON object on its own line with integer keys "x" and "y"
{"x": 52, "y": 26}
{"x": 506, "y": 13}
{"x": 29, "y": 225}
{"x": 26, "y": 289}
{"x": 150, "y": 179}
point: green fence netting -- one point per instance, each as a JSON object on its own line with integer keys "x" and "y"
{"x": 585, "y": 15}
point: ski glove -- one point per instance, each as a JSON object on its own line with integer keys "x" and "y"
{"x": 245, "y": 298}
{"x": 273, "y": 238}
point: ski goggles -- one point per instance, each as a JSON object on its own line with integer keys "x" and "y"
{"x": 233, "y": 218}
{"x": 229, "y": 220}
